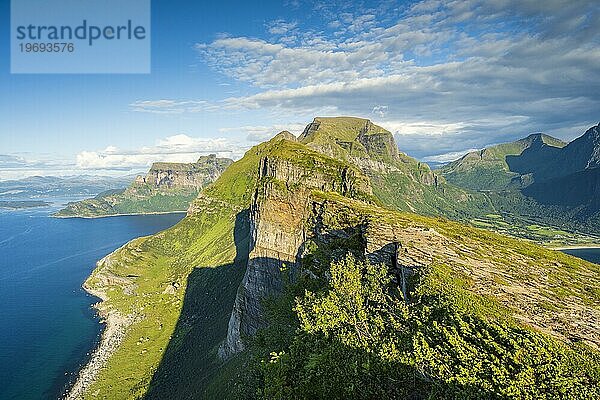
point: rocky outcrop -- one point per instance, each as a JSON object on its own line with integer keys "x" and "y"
{"x": 406, "y": 246}
{"x": 167, "y": 187}
{"x": 278, "y": 216}
{"x": 378, "y": 142}
{"x": 194, "y": 175}
{"x": 309, "y": 129}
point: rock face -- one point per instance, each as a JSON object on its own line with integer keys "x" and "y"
{"x": 277, "y": 226}
{"x": 166, "y": 187}
{"x": 195, "y": 175}
{"x": 378, "y": 142}
{"x": 582, "y": 153}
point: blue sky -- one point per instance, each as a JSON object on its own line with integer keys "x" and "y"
{"x": 444, "y": 76}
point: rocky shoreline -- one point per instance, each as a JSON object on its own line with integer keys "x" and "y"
{"x": 118, "y": 215}
{"x": 112, "y": 336}
{"x": 577, "y": 247}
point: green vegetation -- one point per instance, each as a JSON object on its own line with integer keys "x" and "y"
{"x": 520, "y": 181}
{"x": 400, "y": 191}
{"x": 461, "y": 312}
{"x": 204, "y": 255}
{"x": 359, "y": 339}
{"x": 135, "y": 280}
{"x": 546, "y": 235}
{"x": 144, "y": 201}
{"x": 488, "y": 169}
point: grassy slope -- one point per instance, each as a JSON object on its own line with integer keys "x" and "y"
{"x": 487, "y": 169}
{"x": 203, "y": 240}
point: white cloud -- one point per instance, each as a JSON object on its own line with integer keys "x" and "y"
{"x": 114, "y": 161}
{"x": 18, "y": 166}
{"x": 177, "y": 148}
{"x": 447, "y": 157}
{"x": 423, "y": 128}
{"x": 261, "y": 133}
{"x": 470, "y": 72}
{"x": 380, "y": 110}
{"x": 166, "y": 106}
{"x": 280, "y": 27}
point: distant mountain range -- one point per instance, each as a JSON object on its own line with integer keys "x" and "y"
{"x": 167, "y": 187}
{"x": 47, "y": 187}
{"x": 539, "y": 176}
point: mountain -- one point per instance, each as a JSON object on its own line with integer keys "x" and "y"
{"x": 398, "y": 181}
{"x": 48, "y": 187}
{"x": 501, "y": 166}
{"x": 538, "y": 177}
{"x": 166, "y": 187}
{"x": 294, "y": 275}
{"x": 545, "y": 163}
{"x": 16, "y": 205}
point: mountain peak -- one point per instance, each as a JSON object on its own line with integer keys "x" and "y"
{"x": 594, "y": 131}
{"x": 284, "y": 135}
{"x": 536, "y": 140}
{"x": 350, "y": 137}
{"x": 585, "y": 150}
{"x": 345, "y": 128}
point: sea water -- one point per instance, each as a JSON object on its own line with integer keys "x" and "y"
{"x": 47, "y": 325}
{"x": 589, "y": 254}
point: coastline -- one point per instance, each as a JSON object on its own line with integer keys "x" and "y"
{"x": 118, "y": 215}
{"x": 576, "y": 247}
{"x": 113, "y": 334}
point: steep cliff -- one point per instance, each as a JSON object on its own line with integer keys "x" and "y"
{"x": 195, "y": 175}
{"x": 200, "y": 296}
{"x": 166, "y": 187}
{"x": 277, "y": 217}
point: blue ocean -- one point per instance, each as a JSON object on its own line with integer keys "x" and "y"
{"x": 47, "y": 324}
{"x": 592, "y": 255}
